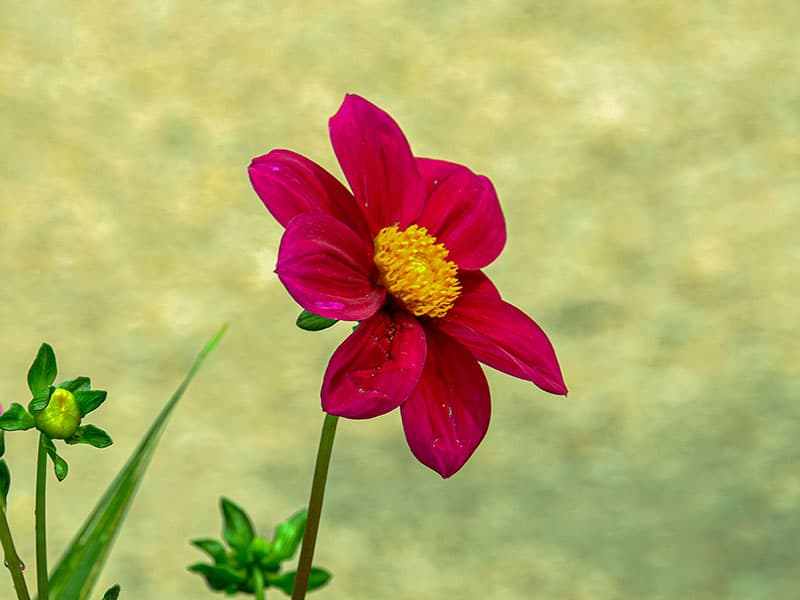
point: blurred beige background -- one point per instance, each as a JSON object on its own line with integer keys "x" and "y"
{"x": 646, "y": 155}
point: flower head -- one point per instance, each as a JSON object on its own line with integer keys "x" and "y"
{"x": 403, "y": 255}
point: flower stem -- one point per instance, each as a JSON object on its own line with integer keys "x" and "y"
{"x": 12, "y": 558}
{"x": 315, "y": 506}
{"x": 258, "y": 584}
{"x": 41, "y": 521}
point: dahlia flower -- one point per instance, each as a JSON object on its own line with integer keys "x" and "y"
{"x": 402, "y": 254}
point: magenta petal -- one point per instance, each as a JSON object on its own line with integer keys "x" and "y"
{"x": 462, "y": 211}
{"x": 378, "y": 164}
{"x": 502, "y": 336}
{"x": 290, "y": 184}
{"x": 328, "y": 269}
{"x": 375, "y": 369}
{"x": 448, "y": 413}
{"x": 476, "y": 282}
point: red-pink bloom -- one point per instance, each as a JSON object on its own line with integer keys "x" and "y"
{"x": 403, "y": 255}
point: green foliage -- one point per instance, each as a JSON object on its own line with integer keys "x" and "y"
{"x": 289, "y": 534}
{"x": 38, "y": 403}
{"x": 59, "y": 464}
{"x": 316, "y": 579}
{"x": 112, "y": 593}
{"x": 57, "y": 411}
{"x": 311, "y": 322}
{"x": 76, "y": 573}
{"x": 43, "y": 371}
{"x": 214, "y": 548}
{"x": 5, "y": 482}
{"x": 88, "y": 400}
{"x": 76, "y": 385}
{"x": 89, "y": 434}
{"x": 249, "y": 558}
{"x": 16, "y": 418}
{"x": 237, "y": 529}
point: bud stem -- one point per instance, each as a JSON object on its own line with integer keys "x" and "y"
{"x": 258, "y": 583}
{"x": 41, "y": 521}
{"x": 315, "y": 506}
{"x": 12, "y": 559}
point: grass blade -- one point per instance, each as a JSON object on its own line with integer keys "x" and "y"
{"x": 80, "y": 566}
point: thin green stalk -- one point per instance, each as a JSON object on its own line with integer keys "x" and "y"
{"x": 258, "y": 584}
{"x": 12, "y": 558}
{"x": 41, "y": 521}
{"x": 315, "y": 506}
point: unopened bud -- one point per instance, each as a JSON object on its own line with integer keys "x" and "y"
{"x": 61, "y": 417}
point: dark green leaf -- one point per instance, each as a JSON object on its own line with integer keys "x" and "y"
{"x": 220, "y": 577}
{"x": 88, "y": 400}
{"x": 76, "y": 573}
{"x": 40, "y": 402}
{"x": 317, "y": 578}
{"x": 89, "y": 434}
{"x": 311, "y": 322}
{"x": 214, "y": 548}
{"x": 16, "y": 418}
{"x": 112, "y": 593}
{"x": 5, "y": 482}
{"x": 2, "y": 443}
{"x": 75, "y": 385}
{"x": 43, "y": 370}
{"x": 289, "y": 534}
{"x": 59, "y": 464}
{"x": 237, "y": 529}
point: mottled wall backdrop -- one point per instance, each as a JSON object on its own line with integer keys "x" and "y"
{"x": 646, "y": 155}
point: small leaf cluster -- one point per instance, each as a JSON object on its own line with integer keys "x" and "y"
{"x": 56, "y": 410}
{"x": 249, "y": 559}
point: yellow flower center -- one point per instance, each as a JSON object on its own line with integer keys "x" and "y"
{"x": 415, "y": 270}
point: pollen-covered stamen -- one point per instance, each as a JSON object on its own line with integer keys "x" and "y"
{"x": 415, "y": 270}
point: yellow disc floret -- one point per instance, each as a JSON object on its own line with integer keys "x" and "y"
{"x": 415, "y": 270}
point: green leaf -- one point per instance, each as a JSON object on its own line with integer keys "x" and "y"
{"x": 40, "y": 402}
{"x": 311, "y": 322}
{"x": 2, "y": 443}
{"x": 214, "y": 548}
{"x": 43, "y": 370}
{"x": 112, "y": 593}
{"x": 237, "y": 529}
{"x": 88, "y": 400}
{"x": 75, "y": 385}
{"x": 220, "y": 577}
{"x": 16, "y": 418}
{"x": 260, "y": 548}
{"x": 89, "y": 434}
{"x": 59, "y": 464}
{"x": 76, "y": 573}
{"x": 5, "y": 482}
{"x": 289, "y": 534}
{"x": 317, "y": 578}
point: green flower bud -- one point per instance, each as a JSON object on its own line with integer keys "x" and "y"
{"x": 61, "y": 417}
